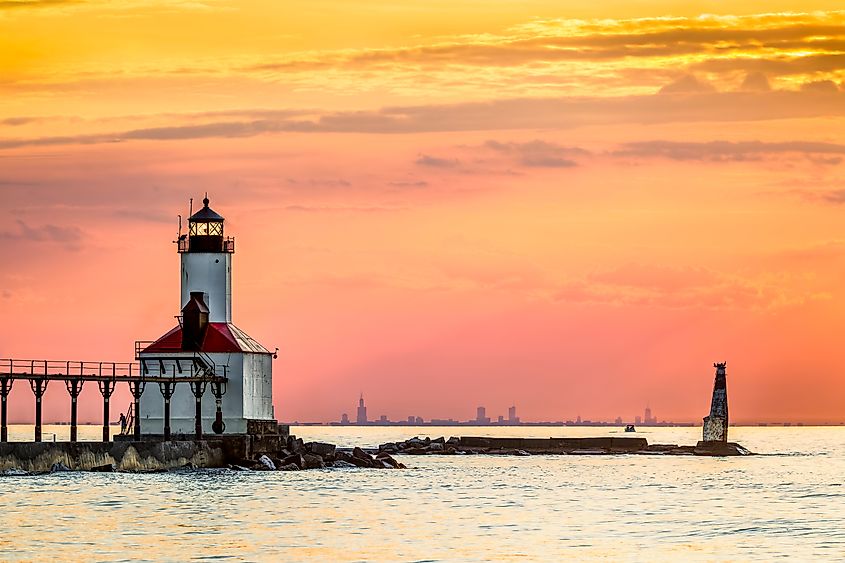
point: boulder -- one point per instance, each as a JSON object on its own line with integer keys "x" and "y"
{"x": 235, "y": 467}
{"x": 313, "y": 461}
{"x": 320, "y": 448}
{"x": 387, "y": 461}
{"x": 277, "y": 461}
{"x": 107, "y": 468}
{"x": 440, "y": 440}
{"x": 358, "y": 462}
{"x": 454, "y": 440}
{"x": 340, "y": 464}
{"x": 295, "y": 459}
{"x": 295, "y": 444}
{"x": 59, "y": 467}
{"x": 521, "y": 453}
{"x": 436, "y": 447}
{"x": 267, "y": 463}
{"x": 416, "y": 451}
{"x": 361, "y": 454}
{"x": 341, "y": 455}
{"x": 289, "y": 467}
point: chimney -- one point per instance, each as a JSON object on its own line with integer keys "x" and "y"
{"x": 194, "y": 322}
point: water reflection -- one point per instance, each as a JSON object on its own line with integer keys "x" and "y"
{"x": 468, "y": 508}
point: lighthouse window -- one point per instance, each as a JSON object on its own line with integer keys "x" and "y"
{"x": 202, "y": 229}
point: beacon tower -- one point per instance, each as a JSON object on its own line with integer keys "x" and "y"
{"x": 206, "y": 337}
{"x": 716, "y": 424}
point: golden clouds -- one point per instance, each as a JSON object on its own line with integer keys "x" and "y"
{"x": 225, "y": 48}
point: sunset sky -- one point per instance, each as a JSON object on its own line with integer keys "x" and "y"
{"x": 576, "y": 207}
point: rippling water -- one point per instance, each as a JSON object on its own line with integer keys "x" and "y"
{"x": 790, "y": 503}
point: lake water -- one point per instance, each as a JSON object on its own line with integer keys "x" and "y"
{"x": 789, "y": 503}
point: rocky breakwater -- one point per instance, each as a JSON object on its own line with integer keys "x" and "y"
{"x": 609, "y": 445}
{"x": 299, "y": 455}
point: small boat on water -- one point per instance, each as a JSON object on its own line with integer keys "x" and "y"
{"x": 630, "y": 428}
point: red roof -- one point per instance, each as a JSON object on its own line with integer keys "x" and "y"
{"x": 219, "y": 337}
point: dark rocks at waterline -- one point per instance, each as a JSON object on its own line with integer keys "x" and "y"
{"x": 721, "y": 449}
{"x": 609, "y": 445}
{"x": 301, "y": 455}
{"x": 238, "y": 453}
{"x": 107, "y": 468}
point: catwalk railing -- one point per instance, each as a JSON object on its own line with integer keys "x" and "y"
{"x": 197, "y": 371}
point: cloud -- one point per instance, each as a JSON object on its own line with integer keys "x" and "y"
{"x": 69, "y": 236}
{"x": 327, "y": 183}
{"x": 409, "y": 184}
{"x": 505, "y": 114}
{"x": 596, "y": 40}
{"x": 720, "y": 151}
{"x": 21, "y": 4}
{"x": 539, "y": 154}
{"x": 678, "y": 287}
{"x": 821, "y": 86}
{"x": 436, "y": 162}
{"x": 145, "y": 214}
{"x": 14, "y": 121}
{"x": 832, "y": 197}
{"x": 341, "y": 209}
{"x": 781, "y": 65}
{"x": 687, "y": 84}
{"x": 755, "y": 82}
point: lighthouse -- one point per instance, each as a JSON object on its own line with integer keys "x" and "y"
{"x": 205, "y": 341}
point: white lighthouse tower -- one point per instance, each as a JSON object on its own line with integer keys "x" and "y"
{"x": 206, "y": 337}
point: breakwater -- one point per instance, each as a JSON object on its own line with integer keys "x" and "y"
{"x": 289, "y": 453}
{"x": 605, "y": 445}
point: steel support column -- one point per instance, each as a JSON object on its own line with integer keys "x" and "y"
{"x": 5, "y": 389}
{"x": 106, "y": 389}
{"x": 167, "y": 388}
{"x": 39, "y": 386}
{"x": 137, "y": 388}
{"x": 198, "y": 388}
{"x": 74, "y": 388}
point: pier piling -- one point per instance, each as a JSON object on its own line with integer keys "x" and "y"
{"x": 137, "y": 388}
{"x": 198, "y": 388}
{"x": 5, "y": 389}
{"x": 39, "y": 386}
{"x": 106, "y": 388}
{"x": 166, "y": 389}
{"x": 74, "y": 388}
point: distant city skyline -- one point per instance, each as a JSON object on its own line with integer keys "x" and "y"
{"x": 482, "y": 419}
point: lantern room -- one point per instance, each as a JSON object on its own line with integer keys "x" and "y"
{"x": 205, "y": 232}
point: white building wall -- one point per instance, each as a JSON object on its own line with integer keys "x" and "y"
{"x": 249, "y": 395}
{"x": 211, "y": 273}
{"x": 258, "y": 386}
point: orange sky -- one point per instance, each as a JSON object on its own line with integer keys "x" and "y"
{"x": 576, "y": 207}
